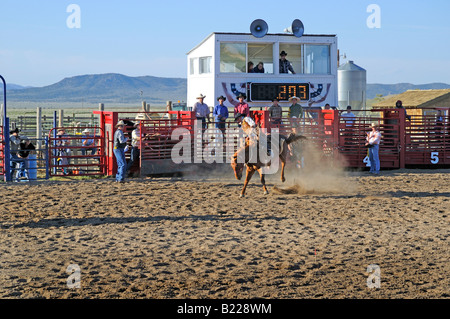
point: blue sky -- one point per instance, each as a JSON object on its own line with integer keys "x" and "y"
{"x": 152, "y": 37}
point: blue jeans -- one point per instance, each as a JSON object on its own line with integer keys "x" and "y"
{"x": 134, "y": 157}
{"x": 121, "y": 164}
{"x": 85, "y": 151}
{"x": 13, "y": 163}
{"x": 374, "y": 159}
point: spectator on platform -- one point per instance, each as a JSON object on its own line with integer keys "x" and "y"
{"x": 259, "y": 68}
{"x": 295, "y": 112}
{"x": 242, "y": 107}
{"x": 201, "y": 110}
{"x": 221, "y": 114}
{"x": 399, "y": 105}
{"x": 250, "y": 67}
{"x": 285, "y": 65}
{"x": 276, "y": 112}
{"x": 349, "y": 117}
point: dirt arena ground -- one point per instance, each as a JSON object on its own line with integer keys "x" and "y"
{"x": 195, "y": 238}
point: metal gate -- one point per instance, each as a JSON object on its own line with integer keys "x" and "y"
{"x": 69, "y": 155}
{"x": 352, "y": 139}
{"x": 427, "y": 141}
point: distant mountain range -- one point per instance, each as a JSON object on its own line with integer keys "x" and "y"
{"x": 392, "y": 89}
{"x": 118, "y": 88}
{"x": 103, "y": 88}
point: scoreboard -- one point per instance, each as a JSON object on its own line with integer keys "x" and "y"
{"x": 262, "y": 92}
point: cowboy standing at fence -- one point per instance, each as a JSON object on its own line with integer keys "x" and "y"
{"x": 201, "y": 110}
{"x": 373, "y": 143}
{"x": 221, "y": 114}
{"x": 14, "y": 141}
{"x": 120, "y": 141}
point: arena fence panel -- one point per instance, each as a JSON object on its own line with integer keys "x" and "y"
{"x": 69, "y": 156}
{"x": 427, "y": 141}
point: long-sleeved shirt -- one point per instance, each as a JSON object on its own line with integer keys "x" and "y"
{"x": 296, "y": 110}
{"x": 220, "y": 113}
{"x": 276, "y": 112}
{"x": 242, "y": 108}
{"x": 136, "y": 137}
{"x": 14, "y": 142}
{"x": 119, "y": 139}
{"x": 374, "y": 138}
{"x": 349, "y": 118}
{"x": 89, "y": 140}
{"x": 286, "y": 66}
{"x": 201, "y": 109}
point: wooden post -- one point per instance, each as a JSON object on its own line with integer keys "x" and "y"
{"x": 61, "y": 118}
{"x": 169, "y": 108}
{"x": 101, "y": 108}
{"x": 38, "y": 128}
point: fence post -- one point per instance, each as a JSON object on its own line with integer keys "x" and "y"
{"x": 6, "y": 150}
{"x": 38, "y": 128}
{"x": 61, "y": 118}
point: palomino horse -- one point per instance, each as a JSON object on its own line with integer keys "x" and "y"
{"x": 258, "y": 166}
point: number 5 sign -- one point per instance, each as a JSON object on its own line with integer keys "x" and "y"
{"x": 434, "y": 157}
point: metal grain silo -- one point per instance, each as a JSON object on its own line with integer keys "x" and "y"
{"x": 352, "y": 83}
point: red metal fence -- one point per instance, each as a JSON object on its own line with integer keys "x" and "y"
{"x": 427, "y": 141}
{"x": 416, "y": 143}
{"x": 69, "y": 156}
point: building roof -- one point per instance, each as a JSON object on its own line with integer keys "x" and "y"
{"x": 416, "y": 99}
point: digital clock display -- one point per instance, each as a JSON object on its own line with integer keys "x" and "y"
{"x": 282, "y": 91}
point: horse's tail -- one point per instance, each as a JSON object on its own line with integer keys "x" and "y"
{"x": 294, "y": 138}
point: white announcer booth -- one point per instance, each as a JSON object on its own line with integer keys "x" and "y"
{"x": 219, "y": 65}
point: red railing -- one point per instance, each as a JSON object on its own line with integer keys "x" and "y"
{"x": 68, "y": 156}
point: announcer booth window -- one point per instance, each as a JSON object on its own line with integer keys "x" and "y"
{"x": 261, "y": 53}
{"x": 205, "y": 65}
{"x": 294, "y": 55}
{"x": 317, "y": 59}
{"x": 192, "y": 63}
{"x": 233, "y": 58}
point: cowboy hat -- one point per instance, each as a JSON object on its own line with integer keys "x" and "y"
{"x": 201, "y": 96}
{"x": 275, "y": 99}
{"x": 221, "y": 98}
{"x": 283, "y": 53}
{"x": 120, "y": 123}
{"x": 374, "y": 125}
{"x": 294, "y": 97}
{"x": 241, "y": 95}
{"x": 16, "y": 130}
{"x": 86, "y": 130}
